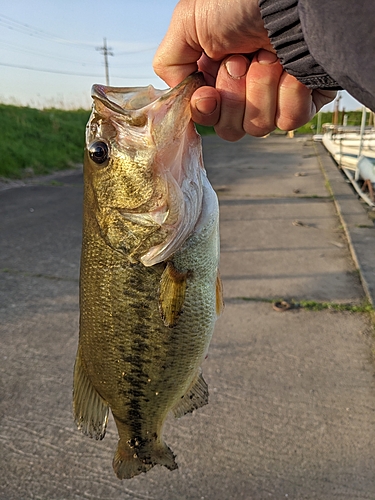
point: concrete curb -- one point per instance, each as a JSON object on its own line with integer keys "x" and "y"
{"x": 359, "y": 229}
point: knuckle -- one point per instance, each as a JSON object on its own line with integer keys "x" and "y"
{"x": 258, "y": 128}
{"x": 291, "y": 121}
{"x": 260, "y": 132}
{"x": 289, "y": 124}
{"x": 205, "y": 121}
{"x": 229, "y": 133}
{"x": 157, "y": 66}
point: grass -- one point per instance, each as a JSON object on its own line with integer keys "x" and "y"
{"x": 313, "y": 305}
{"x": 205, "y": 130}
{"x": 354, "y": 118}
{"x": 40, "y": 141}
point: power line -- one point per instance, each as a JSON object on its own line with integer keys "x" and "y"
{"x": 130, "y": 52}
{"x": 49, "y": 55}
{"x": 38, "y": 33}
{"x": 18, "y": 48}
{"x": 44, "y": 70}
{"x": 27, "y": 29}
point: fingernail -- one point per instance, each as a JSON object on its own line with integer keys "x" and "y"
{"x": 206, "y": 105}
{"x": 237, "y": 66}
{"x": 265, "y": 57}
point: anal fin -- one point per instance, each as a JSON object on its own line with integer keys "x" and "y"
{"x": 172, "y": 294}
{"x": 195, "y": 397}
{"x": 89, "y": 409}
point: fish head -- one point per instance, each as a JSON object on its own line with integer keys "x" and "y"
{"x": 143, "y": 168}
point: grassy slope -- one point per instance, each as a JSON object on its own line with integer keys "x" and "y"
{"x": 35, "y": 141}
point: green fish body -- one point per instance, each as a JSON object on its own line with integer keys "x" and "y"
{"x": 150, "y": 291}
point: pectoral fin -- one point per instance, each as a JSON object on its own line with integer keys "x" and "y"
{"x": 90, "y": 410}
{"x": 219, "y": 295}
{"x": 196, "y": 397}
{"x": 172, "y": 294}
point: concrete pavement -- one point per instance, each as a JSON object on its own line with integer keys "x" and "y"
{"x": 292, "y": 394}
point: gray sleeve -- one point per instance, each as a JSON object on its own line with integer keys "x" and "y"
{"x": 325, "y": 43}
{"x": 281, "y": 19}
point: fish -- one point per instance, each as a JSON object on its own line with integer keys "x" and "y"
{"x": 150, "y": 289}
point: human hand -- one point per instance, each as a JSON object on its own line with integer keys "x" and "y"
{"x": 242, "y": 96}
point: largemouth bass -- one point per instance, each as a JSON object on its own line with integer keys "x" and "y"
{"x": 150, "y": 291}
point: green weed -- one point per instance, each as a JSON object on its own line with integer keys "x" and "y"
{"x": 354, "y": 118}
{"x": 202, "y": 130}
{"x": 313, "y": 305}
{"x": 40, "y": 141}
{"x": 320, "y": 306}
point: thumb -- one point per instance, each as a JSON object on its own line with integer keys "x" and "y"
{"x": 178, "y": 53}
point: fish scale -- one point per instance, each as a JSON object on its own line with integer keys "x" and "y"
{"x": 149, "y": 290}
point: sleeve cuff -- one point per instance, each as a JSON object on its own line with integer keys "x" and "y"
{"x": 281, "y": 20}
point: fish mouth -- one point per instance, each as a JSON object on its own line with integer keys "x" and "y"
{"x": 130, "y": 102}
{"x": 187, "y": 87}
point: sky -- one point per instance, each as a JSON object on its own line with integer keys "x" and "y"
{"x": 50, "y": 50}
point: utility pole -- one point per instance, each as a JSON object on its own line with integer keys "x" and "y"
{"x": 319, "y": 123}
{"x": 106, "y": 51}
{"x": 363, "y": 127}
{"x": 336, "y": 109}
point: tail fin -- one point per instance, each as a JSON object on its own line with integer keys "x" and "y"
{"x": 129, "y": 461}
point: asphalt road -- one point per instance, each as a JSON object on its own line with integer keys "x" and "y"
{"x": 292, "y": 394}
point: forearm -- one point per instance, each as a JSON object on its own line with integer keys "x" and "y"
{"x": 322, "y": 42}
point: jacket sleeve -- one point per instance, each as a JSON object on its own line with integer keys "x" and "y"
{"x": 327, "y": 44}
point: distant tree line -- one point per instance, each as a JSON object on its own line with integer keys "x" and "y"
{"x": 350, "y": 118}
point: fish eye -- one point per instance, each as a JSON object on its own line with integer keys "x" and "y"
{"x": 99, "y": 152}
